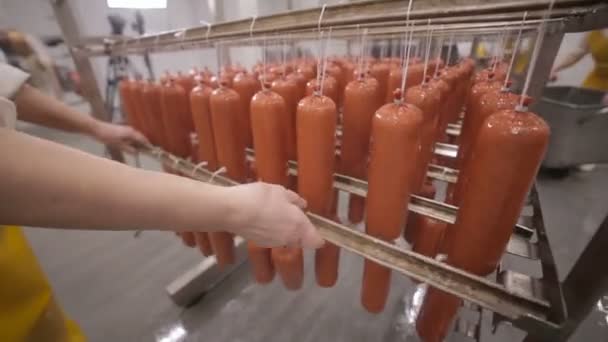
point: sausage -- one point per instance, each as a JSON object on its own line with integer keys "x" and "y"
{"x": 225, "y": 105}
{"x": 415, "y": 73}
{"x": 489, "y": 102}
{"x": 269, "y": 120}
{"x": 348, "y": 69}
{"x": 261, "y": 263}
{"x": 487, "y": 213}
{"x": 412, "y": 227}
{"x": 289, "y": 263}
{"x": 360, "y": 104}
{"x": 336, "y": 72}
{"x": 301, "y": 81}
{"x": 395, "y": 126}
{"x": 203, "y": 243}
{"x": 201, "y": 114}
{"x": 429, "y": 236}
{"x": 510, "y": 146}
{"x": 471, "y": 120}
{"x": 188, "y": 239}
{"x": 307, "y": 70}
{"x": 443, "y": 88}
{"x": 450, "y": 76}
{"x": 175, "y": 119}
{"x": 380, "y": 72}
{"x": 427, "y": 100}
{"x": 186, "y": 81}
{"x": 138, "y": 104}
{"x": 288, "y": 90}
{"x": 330, "y": 87}
{"x": 375, "y": 288}
{"x": 436, "y": 313}
{"x": 316, "y": 118}
{"x": 151, "y": 93}
{"x": 125, "y": 89}
{"x": 246, "y": 86}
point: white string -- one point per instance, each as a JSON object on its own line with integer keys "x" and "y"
{"x": 514, "y": 51}
{"x": 407, "y": 47}
{"x": 449, "y": 56}
{"x": 320, "y": 59}
{"x": 361, "y": 56}
{"x": 197, "y": 167}
{"x": 253, "y": 19}
{"x": 534, "y": 58}
{"x": 321, "y": 17}
{"x": 323, "y": 75}
{"x": 429, "y": 40}
{"x": 216, "y": 173}
{"x": 441, "y": 39}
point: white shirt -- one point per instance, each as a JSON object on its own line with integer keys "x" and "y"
{"x": 11, "y": 79}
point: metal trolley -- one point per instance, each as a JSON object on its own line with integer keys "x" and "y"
{"x": 545, "y": 307}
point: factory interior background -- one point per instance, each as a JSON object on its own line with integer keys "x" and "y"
{"x": 113, "y": 283}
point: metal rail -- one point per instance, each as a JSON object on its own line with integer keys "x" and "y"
{"x": 524, "y": 310}
{"x": 358, "y": 13}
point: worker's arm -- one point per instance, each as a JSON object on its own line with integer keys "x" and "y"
{"x": 48, "y": 185}
{"x": 37, "y": 107}
{"x": 572, "y": 58}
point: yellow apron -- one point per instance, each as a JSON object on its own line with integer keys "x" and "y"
{"x": 28, "y": 310}
{"x": 598, "y": 46}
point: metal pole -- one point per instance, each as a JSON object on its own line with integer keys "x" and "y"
{"x": 71, "y": 32}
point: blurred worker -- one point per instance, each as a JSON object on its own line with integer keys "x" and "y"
{"x": 44, "y": 184}
{"x": 596, "y": 44}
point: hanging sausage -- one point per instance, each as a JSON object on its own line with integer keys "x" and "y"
{"x": 315, "y": 135}
{"x": 395, "y": 126}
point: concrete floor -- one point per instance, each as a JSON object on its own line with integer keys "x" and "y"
{"x": 113, "y": 284}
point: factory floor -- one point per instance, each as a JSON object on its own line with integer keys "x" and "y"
{"x": 113, "y": 284}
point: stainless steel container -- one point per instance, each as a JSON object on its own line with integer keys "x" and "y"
{"x": 579, "y": 126}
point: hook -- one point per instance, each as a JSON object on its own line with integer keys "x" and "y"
{"x": 253, "y": 19}
{"x": 216, "y": 173}
{"x": 321, "y": 17}
{"x": 208, "y": 29}
{"x": 197, "y": 167}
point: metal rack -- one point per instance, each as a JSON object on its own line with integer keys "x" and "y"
{"x": 549, "y": 310}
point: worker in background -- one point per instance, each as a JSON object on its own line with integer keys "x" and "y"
{"x": 44, "y": 184}
{"x": 596, "y": 44}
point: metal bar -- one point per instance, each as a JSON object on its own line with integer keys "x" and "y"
{"x": 366, "y": 12}
{"x": 189, "y": 286}
{"x": 586, "y": 282}
{"x": 525, "y": 312}
{"x": 70, "y": 30}
{"x": 552, "y": 286}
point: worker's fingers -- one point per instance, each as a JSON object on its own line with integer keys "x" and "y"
{"x": 294, "y": 198}
{"x": 137, "y": 137}
{"x": 309, "y": 235}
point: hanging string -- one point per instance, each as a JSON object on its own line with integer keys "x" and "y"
{"x": 449, "y": 56}
{"x": 533, "y": 59}
{"x": 320, "y": 58}
{"x": 362, "y": 54}
{"x": 514, "y": 52}
{"x": 429, "y": 40}
{"x": 439, "y": 47}
{"x": 323, "y": 75}
{"x": 409, "y": 43}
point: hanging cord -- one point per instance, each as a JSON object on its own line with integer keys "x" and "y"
{"x": 514, "y": 52}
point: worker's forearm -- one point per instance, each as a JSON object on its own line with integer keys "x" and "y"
{"x": 37, "y": 107}
{"x": 570, "y": 60}
{"x": 45, "y": 184}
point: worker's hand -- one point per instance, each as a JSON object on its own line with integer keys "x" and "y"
{"x": 272, "y": 216}
{"x": 553, "y": 76}
{"x": 124, "y": 137}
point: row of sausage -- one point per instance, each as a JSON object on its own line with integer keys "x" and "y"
{"x": 387, "y": 138}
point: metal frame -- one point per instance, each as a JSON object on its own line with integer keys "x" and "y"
{"x": 561, "y": 306}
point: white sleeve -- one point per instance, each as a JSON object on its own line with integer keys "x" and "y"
{"x": 11, "y": 79}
